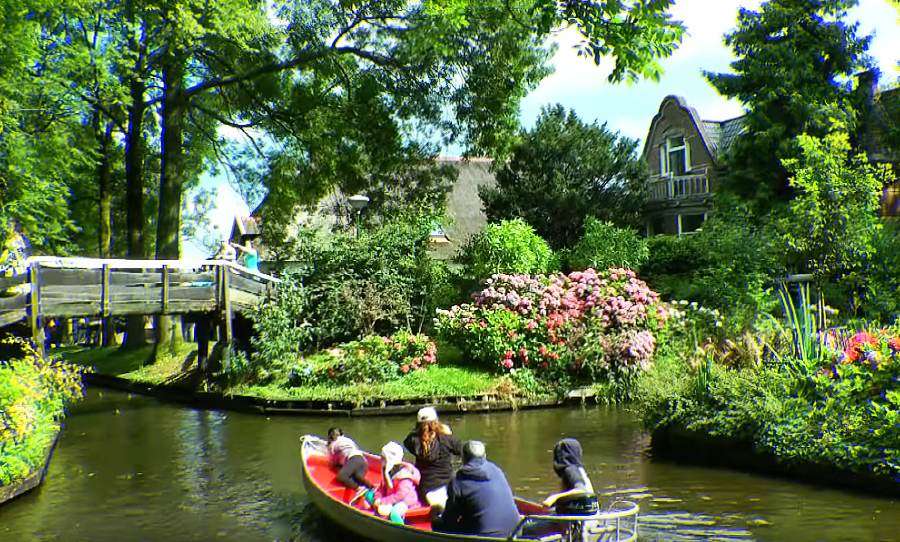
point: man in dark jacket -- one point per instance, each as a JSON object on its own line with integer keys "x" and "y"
{"x": 479, "y": 499}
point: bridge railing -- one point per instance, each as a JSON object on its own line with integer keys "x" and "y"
{"x": 67, "y": 287}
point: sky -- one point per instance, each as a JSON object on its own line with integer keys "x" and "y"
{"x": 580, "y": 85}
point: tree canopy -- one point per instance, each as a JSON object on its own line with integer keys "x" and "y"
{"x": 564, "y": 170}
{"x": 100, "y": 95}
{"x": 793, "y": 73}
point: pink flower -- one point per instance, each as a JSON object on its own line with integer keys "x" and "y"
{"x": 508, "y": 363}
{"x": 404, "y": 368}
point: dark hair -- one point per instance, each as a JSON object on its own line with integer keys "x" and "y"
{"x": 334, "y": 433}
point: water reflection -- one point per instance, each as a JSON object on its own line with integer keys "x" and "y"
{"x": 133, "y": 468}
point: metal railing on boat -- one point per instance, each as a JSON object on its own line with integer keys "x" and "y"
{"x": 618, "y": 523}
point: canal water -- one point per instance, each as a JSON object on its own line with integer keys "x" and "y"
{"x": 133, "y": 468}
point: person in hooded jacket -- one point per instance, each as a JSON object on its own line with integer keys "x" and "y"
{"x": 569, "y": 466}
{"x": 479, "y": 499}
{"x": 577, "y": 497}
{"x": 397, "y": 493}
{"x": 433, "y": 445}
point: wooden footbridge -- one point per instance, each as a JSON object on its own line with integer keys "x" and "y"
{"x": 61, "y": 288}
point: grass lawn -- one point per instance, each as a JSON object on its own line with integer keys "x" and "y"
{"x": 136, "y": 364}
{"x": 447, "y": 380}
{"x": 434, "y": 381}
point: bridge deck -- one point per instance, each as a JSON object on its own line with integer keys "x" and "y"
{"x": 91, "y": 287}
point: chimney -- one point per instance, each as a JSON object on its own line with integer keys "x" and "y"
{"x": 868, "y": 84}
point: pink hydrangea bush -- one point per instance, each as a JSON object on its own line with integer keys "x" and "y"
{"x": 562, "y": 326}
{"x": 371, "y": 359}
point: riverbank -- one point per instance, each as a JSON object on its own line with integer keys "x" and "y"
{"x": 34, "y": 393}
{"x": 20, "y": 487}
{"x": 174, "y": 376}
{"x": 702, "y": 449}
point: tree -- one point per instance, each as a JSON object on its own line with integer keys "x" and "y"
{"x": 794, "y": 62}
{"x": 564, "y": 170}
{"x": 833, "y": 219}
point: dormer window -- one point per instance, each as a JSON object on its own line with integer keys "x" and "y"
{"x": 674, "y": 157}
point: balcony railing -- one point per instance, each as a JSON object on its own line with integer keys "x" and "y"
{"x": 677, "y": 187}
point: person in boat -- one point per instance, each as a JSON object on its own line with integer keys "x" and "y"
{"x": 577, "y": 497}
{"x": 346, "y": 454}
{"x": 569, "y": 466}
{"x": 398, "y": 492}
{"x": 479, "y": 499}
{"x": 433, "y": 445}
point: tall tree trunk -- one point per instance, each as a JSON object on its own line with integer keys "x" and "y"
{"x": 104, "y": 178}
{"x": 134, "y": 197}
{"x": 171, "y": 182}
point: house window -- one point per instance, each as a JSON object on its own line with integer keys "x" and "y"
{"x": 690, "y": 223}
{"x": 674, "y": 156}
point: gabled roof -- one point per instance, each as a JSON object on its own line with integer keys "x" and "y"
{"x": 692, "y": 114}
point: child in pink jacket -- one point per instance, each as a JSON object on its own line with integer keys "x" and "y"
{"x": 399, "y": 489}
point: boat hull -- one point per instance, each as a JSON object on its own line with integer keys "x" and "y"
{"x": 331, "y": 500}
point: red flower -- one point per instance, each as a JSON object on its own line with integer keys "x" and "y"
{"x": 894, "y": 344}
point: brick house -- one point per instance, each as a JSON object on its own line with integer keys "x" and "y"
{"x": 682, "y": 152}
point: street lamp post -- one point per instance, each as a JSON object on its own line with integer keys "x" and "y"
{"x": 358, "y": 202}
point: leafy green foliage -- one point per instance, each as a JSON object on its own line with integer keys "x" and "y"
{"x": 603, "y": 246}
{"x": 841, "y": 411}
{"x": 512, "y": 246}
{"x": 882, "y": 277}
{"x": 370, "y": 360}
{"x": 33, "y": 397}
{"x": 792, "y": 60}
{"x": 833, "y": 219}
{"x": 730, "y": 265}
{"x": 564, "y": 170}
{"x": 343, "y": 287}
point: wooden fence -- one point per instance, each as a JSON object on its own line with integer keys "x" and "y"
{"x": 91, "y": 287}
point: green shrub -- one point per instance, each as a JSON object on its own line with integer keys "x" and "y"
{"x": 731, "y": 265}
{"x": 344, "y": 287}
{"x": 33, "y": 397}
{"x": 672, "y": 255}
{"x": 511, "y": 246}
{"x": 882, "y": 301}
{"x": 604, "y": 246}
{"x": 370, "y": 360}
{"x": 282, "y": 333}
{"x": 842, "y": 409}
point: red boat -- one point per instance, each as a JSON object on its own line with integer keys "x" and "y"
{"x": 618, "y": 524}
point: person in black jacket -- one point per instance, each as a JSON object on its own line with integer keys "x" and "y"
{"x": 569, "y": 466}
{"x": 479, "y": 499}
{"x": 434, "y": 446}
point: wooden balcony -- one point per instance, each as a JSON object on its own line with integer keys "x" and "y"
{"x": 679, "y": 187}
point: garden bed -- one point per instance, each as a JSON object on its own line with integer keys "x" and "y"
{"x": 683, "y": 445}
{"x": 19, "y": 488}
{"x": 175, "y": 378}
{"x": 260, "y": 405}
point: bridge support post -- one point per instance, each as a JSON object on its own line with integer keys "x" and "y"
{"x": 34, "y": 307}
{"x": 225, "y": 325}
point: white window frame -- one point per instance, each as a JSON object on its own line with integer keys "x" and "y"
{"x": 667, "y": 148}
{"x": 681, "y": 232}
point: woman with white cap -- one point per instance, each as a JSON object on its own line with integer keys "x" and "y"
{"x": 400, "y": 479}
{"x": 434, "y": 446}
